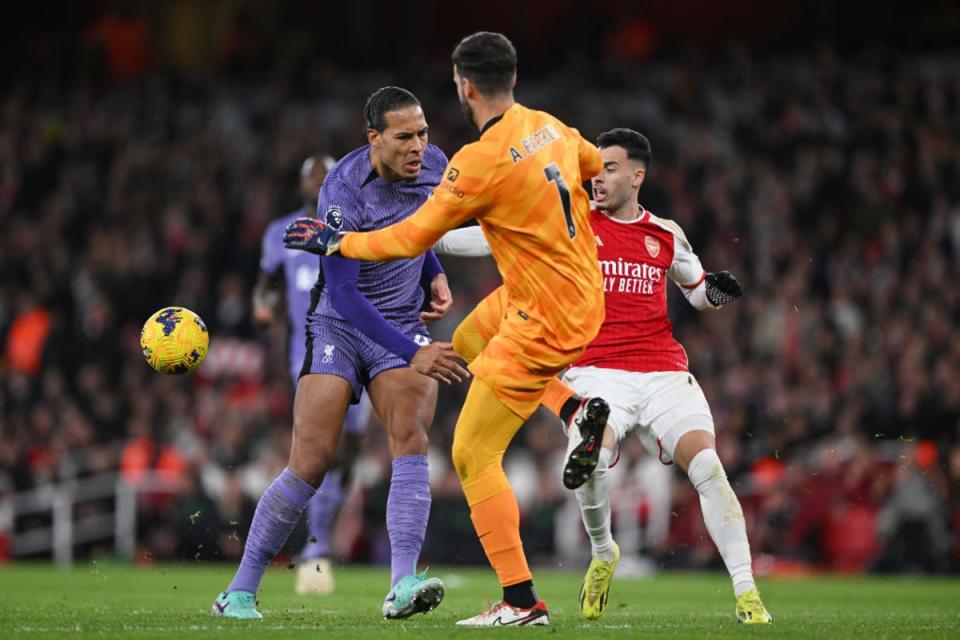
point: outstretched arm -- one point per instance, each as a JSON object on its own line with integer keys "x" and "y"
{"x": 408, "y": 238}
{"x": 460, "y": 196}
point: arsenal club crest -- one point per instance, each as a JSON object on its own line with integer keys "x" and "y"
{"x": 652, "y": 245}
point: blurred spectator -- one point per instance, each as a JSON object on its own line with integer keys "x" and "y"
{"x": 829, "y": 185}
{"x": 914, "y": 522}
{"x": 26, "y": 337}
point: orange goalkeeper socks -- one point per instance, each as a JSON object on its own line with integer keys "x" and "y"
{"x": 497, "y": 522}
{"x": 559, "y": 398}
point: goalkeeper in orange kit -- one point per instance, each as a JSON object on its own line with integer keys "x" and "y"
{"x": 522, "y": 182}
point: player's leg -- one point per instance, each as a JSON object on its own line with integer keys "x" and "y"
{"x": 510, "y": 376}
{"x": 475, "y": 331}
{"x": 405, "y": 401}
{"x": 691, "y": 443}
{"x": 315, "y": 571}
{"x": 594, "y": 495}
{"x": 589, "y": 414}
{"x": 318, "y": 409}
{"x": 484, "y": 430}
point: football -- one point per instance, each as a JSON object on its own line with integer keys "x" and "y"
{"x": 174, "y": 340}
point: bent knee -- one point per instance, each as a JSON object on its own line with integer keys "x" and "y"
{"x": 705, "y": 469}
{"x": 467, "y": 343}
{"x": 469, "y": 462}
{"x": 411, "y": 442}
{"x": 462, "y": 459}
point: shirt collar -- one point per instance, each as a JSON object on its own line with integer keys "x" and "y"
{"x": 491, "y": 122}
{"x": 644, "y": 214}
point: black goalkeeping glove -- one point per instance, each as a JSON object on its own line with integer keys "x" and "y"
{"x": 722, "y": 287}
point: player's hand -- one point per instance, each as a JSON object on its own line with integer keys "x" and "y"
{"x": 440, "y": 299}
{"x": 440, "y": 362}
{"x": 310, "y": 234}
{"x": 722, "y": 287}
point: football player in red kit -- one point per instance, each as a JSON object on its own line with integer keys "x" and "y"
{"x": 640, "y": 368}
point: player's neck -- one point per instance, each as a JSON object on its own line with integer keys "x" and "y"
{"x": 628, "y": 212}
{"x": 486, "y": 110}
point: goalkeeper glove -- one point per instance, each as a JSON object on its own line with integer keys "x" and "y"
{"x": 722, "y": 287}
{"x": 310, "y": 234}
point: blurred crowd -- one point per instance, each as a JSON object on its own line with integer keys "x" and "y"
{"x": 829, "y": 186}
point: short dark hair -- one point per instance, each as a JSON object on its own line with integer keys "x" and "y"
{"x": 488, "y": 60}
{"x": 384, "y": 100}
{"x": 633, "y": 142}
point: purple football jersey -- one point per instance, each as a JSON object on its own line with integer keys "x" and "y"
{"x": 355, "y": 198}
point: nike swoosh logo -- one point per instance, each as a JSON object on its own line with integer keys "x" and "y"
{"x": 221, "y": 607}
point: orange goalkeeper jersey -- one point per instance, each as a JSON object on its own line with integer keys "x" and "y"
{"x": 522, "y": 180}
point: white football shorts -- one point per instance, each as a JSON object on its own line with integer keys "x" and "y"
{"x": 658, "y": 407}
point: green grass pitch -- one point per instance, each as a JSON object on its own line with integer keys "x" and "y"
{"x": 118, "y": 601}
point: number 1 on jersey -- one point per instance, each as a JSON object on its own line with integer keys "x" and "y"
{"x": 553, "y": 175}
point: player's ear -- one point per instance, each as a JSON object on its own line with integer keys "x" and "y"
{"x": 638, "y": 175}
{"x": 513, "y": 83}
{"x": 373, "y": 137}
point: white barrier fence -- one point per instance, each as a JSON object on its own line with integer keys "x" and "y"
{"x": 66, "y": 531}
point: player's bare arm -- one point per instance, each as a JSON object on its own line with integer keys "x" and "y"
{"x": 266, "y": 299}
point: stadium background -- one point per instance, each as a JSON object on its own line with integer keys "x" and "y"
{"x": 812, "y": 150}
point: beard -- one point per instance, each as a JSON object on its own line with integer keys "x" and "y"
{"x": 467, "y": 111}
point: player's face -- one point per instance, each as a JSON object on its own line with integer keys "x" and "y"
{"x": 310, "y": 183}
{"x": 617, "y": 183}
{"x": 401, "y": 145}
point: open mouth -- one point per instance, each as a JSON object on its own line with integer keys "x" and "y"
{"x": 599, "y": 194}
{"x": 413, "y": 165}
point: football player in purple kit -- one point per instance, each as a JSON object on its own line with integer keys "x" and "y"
{"x": 298, "y": 272}
{"x": 364, "y": 329}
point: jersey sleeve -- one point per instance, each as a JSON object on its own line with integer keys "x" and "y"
{"x": 271, "y": 250}
{"x": 459, "y": 197}
{"x": 687, "y": 271}
{"x": 340, "y": 206}
{"x": 431, "y": 266}
{"x": 590, "y": 161}
{"x": 468, "y": 242}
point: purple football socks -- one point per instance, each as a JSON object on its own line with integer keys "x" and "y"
{"x": 408, "y": 509}
{"x": 321, "y": 514}
{"x": 277, "y": 513}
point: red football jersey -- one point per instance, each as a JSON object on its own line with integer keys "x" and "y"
{"x": 637, "y": 257}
